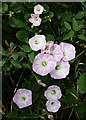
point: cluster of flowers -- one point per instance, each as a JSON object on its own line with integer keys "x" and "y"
{"x": 53, "y": 58}
{"x": 35, "y": 18}
{"x": 23, "y": 98}
{"x": 53, "y": 94}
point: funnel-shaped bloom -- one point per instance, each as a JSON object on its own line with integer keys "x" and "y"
{"x": 49, "y": 44}
{"x": 53, "y": 93}
{"x": 53, "y": 105}
{"x": 56, "y": 52}
{"x": 35, "y": 20}
{"x": 37, "y": 42}
{"x": 61, "y": 70}
{"x": 68, "y": 51}
{"x": 43, "y": 64}
{"x": 23, "y": 98}
{"x": 38, "y": 9}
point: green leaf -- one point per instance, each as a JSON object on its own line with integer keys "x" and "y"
{"x": 27, "y": 85}
{"x": 70, "y": 97}
{"x": 16, "y": 7}
{"x": 16, "y": 22}
{"x": 3, "y": 61}
{"x": 13, "y": 114}
{"x": 16, "y": 64}
{"x": 82, "y": 37}
{"x": 26, "y": 48}
{"x": 15, "y": 55}
{"x": 81, "y": 109}
{"x": 48, "y": 17}
{"x": 67, "y": 25}
{"x": 12, "y": 45}
{"x": 27, "y": 16}
{"x": 50, "y": 38}
{"x": 69, "y": 35}
{"x": 77, "y": 25}
{"x": 82, "y": 83}
{"x": 22, "y": 36}
{"x": 4, "y": 7}
{"x": 31, "y": 56}
{"x": 80, "y": 15}
{"x": 46, "y": 9}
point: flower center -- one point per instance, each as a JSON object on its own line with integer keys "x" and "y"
{"x": 52, "y": 103}
{"x": 53, "y": 92}
{"x": 38, "y": 9}
{"x": 36, "y": 18}
{"x": 47, "y": 47}
{"x": 23, "y": 98}
{"x": 58, "y": 67}
{"x": 44, "y": 63}
{"x": 36, "y": 42}
{"x": 64, "y": 54}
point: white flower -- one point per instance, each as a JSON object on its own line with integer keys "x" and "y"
{"x": 49, "y": 44}
{"x": 43, "y": 64}
{"x": 61, "y": 70}
{"x": 53, "y": 105}
{"x": 53, "y": 93}
{"x": 35, "y": 20}
{"x": 23, "y": 98}
{"x": 38, "y": 9}
{"x": 37, "y": 42}
{"x": 68, "y": 51}
{"x": 56, "y": 52}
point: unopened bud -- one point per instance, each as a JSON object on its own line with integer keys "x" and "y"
{"x": 41, "y": 83}
{"x": 50, "y": 117}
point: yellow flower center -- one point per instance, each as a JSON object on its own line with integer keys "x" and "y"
{"x": 36, "y": 18}
{"x": 36, "y": 42}
{"x": 23, "y": 98}
{"x": 53, "y": 92}
{"x": 44, "y": 63}
{"x": 64, "y": 54}
{"x": 38, "y": 9}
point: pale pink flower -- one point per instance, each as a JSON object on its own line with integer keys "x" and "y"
{"x": 43, "y": 64}
{"x": 37, "y": 42}
{"x": 53, "y": 105}
{"x": 61, "y": 70}
{"x": 23, "y": 98}
{"x": 38, "y": 9}
{"x": 56, "y": 52}
{"x": 49, "y": 44}
{"x": 53, "y": 93}
{"x": 35, "y": 20}
{"x": 68, "y": 51}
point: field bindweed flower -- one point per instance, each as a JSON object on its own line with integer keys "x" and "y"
{"x": 38, "y": 9}
{"x": 53, "y": 92}
{"x": 43, "y": 64}
{"x": 23, "y": 98}
{"x": 35, "y": 20}
{"x": 53, "y": 105}
{"x": 61, "y": 70}
{"x": 49, "y": 44}
{"x": 56, "y": 52}
{"x": 68, "y": 51}
{"x": 37, "y": 42}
